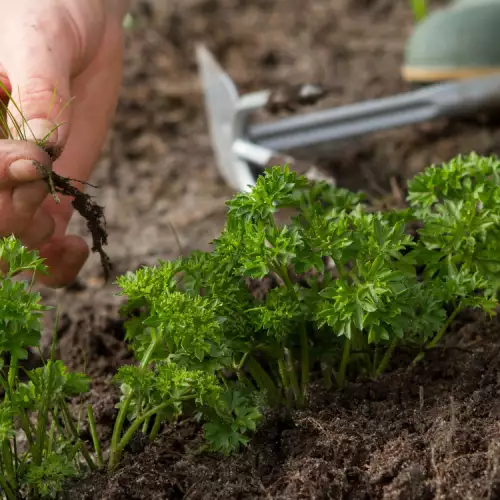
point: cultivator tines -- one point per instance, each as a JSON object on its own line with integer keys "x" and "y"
{"x": 240, "y": 146}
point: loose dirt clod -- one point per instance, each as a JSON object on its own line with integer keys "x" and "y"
{"x": 84, "y": 205}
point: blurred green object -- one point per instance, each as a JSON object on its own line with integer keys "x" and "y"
{"x": 460, "y": 41}
{"x": 128, "y": 21}
{"x": 419, "y": 8}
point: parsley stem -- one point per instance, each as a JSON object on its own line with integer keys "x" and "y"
{"x": 27, "y": 428}
{"x": 43, "y": 416}
{"x": 242, "y": 362}
{"x": 145, "y": 426}
{"x": 441, "y": 332}
{"x": 438, "y": 336}
{"x": 3, "y": 383}
{"x": 6, "y": 488}
{"x": 156, "y": 427}
{"x": 7, "y": 459}
{"x": 292, "y": 377}
{"x": 376, "y": 361}
{"x": 284, "y": 379}
{"x": 138, "y": 422}
{"x": 12, "y": 372}
{"x": 387, "y": 356}
{"x": 95, "y": 437}
{"x": 262, "y": 378}
{"x": 344, "y": 362}
{"x": 282, "y": 271}
{"x": 74, "y": 433}
{"x": 122, "y": 414}
{"x": 117, "y": 430}
{"x": 304, "y": 354}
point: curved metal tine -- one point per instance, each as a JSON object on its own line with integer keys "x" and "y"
{"x": 221, "y": 104}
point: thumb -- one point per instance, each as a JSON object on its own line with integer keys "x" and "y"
{"x": 39, "y": 77}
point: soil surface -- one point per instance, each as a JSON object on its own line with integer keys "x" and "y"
{"x": 433, "y": 432}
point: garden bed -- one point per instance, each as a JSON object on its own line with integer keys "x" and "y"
{"x": 431, "y": 432}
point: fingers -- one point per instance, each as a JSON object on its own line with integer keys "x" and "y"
{"x": 23, "y": 167}
{"x": 65, "y": 258}
{"x": 39, "y": 231}
{"x": 39, "y": 72}
{"x": 22, "y": 162}
{"x": 96, "y": 95}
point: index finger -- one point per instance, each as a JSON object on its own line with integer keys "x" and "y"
{"x": 22, "y": 161}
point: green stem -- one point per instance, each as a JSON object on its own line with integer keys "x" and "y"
{"x": 7, "y": 489}
{"x": 12, "y": 377}
{"x": 51, "y": 438}
{"x": 292, "y": 377}
{"x": 16, "y": 457}
{"x": 3, "y": 381}
{"x": 387, "y": 356}
{"x": 145, "y": 426}
{"x": 304, "y": 361}
{"x": 10, "y": 473}
{"x": 138, "y": 422}
{"x": 95, "y": 437}
{"x": 439, "y": 335}
{"x": 281, "y": 270}
{"x": 74, "y": 432}
{"x": 27, "y": 428}
{"x": 156, "y": 427}
{"x": 122, "y": 414}
{"x": 43, "y": 417}
{"x": 119, "y": 423}
{"x": 240, "y": 365}
{"x": 262, "y": 378}
{"x": 284, "y": 379}
{"x": 376, "y": 361}
{"x": 359, "y": 345}
{"x": 343, "y": 364}
{"x": 441, "y": 332}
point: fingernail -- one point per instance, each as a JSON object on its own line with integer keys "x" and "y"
{"x": 38, "y": 130}
{"x": 27, "y": 170}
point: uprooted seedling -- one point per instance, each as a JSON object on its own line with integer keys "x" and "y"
{"x": 82, "y": 202}
{"x": 86, "y": 207}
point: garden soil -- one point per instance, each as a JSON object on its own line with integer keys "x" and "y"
{"x": 430, "y": 432}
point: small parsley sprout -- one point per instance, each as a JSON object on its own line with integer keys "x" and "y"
{"x": 51, "y": 475}
{"x": 21, "y": 310}
{"x": 53, "y": 446}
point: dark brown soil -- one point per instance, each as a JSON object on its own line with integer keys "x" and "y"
{"x": 429, "y": 433}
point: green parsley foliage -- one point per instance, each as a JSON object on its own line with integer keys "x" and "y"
{"x": 36, "y": 409}
{"x": 304, "y": 280}
{"x": 348, "y": 287}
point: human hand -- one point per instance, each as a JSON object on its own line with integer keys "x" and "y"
{"x": 53, "y": 51}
